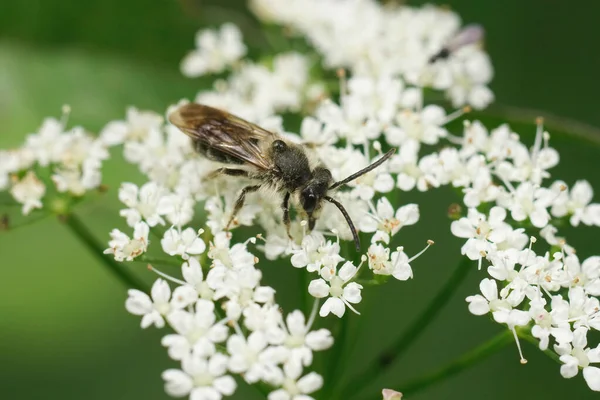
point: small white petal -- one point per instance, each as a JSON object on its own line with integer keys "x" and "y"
{"x": 592, "y": 378}
{"x": 225, "y": 385}
{"x": 478, "y": 305}
{"x": 489, "y": 289}
{"x": 318, "y": 288}
{"x": 178, "y": 383}
{"x": 333, "y": 305}
{"x": 138, "y": 302}
{"x": 310, "y": 383}
{"x": 319, "y": 340}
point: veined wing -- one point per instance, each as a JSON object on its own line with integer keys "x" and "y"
{"x": 223, "y": 132}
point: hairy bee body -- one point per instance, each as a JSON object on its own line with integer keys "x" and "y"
{"x": 265, "y": 157}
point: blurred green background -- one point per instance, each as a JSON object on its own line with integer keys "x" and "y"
{"x": 64, "y": 332}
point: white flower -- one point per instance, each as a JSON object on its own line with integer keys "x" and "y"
{"x": 124, "y": 248}
{"x": 483, "y": 233}
{"x": 489, "y": 302}
{"x": 406, "y": 165}
{"x": 389, "y": 394}
{"x": 136, "y": 128}
{"x": 215, "y": 51}
{"x": 29, "y": 192}
{"x": 576, "y": 204}
{"x": 338, "y": 289}
{"x": 183, "y": 243}
{"x": 251, "y": 357}
{"x": 385, "y": 221}
{"x": 196, "y": 331}
{"x": 292, "y": 386}
{"x": 578, "y": 355}
{"x": 471, "y": 70}
{"x": 178, "y": 208}
{"x": 424, "y": 126}
{"x": 155, "y": 308}
{"x": 143, "y": 203}
{"x": 545, "y": 326}
{"x": 240, "y": 287}
{"x": 296, "y": 336}
{"x": 316, "y": 253}
{"x": 234, "y": 256}
{"x": 348, "y": 120}
{"x": 194, "y": 277}
{"x": 262, "y": 318}
{"x": 201, "y": 378}
{"x": 397, "y": 265}
{"x": 532, "y": 203}
{"x": 43, "y": 144}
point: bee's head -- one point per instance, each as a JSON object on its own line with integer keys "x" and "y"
{"x": 312, "y": 194}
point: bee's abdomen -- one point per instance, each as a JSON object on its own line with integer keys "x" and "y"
{"x": 215, "y": 155}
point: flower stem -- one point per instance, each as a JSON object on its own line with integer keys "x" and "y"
{"x": 158, "y": 261}
{"x": 527, "y": 337}
{"x": 334, "y": 360}
{"x": 6, "y": 224}
{"x": 463, "y": 362}
{"x": 387, "y": 357}
{"x": 86, "y": 238}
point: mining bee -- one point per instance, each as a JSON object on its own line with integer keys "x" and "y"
{"x": 265, "y": 157}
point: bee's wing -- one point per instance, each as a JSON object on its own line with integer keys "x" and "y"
{"x": 225, "y": 132}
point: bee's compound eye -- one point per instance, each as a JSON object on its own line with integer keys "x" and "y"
{"x": 279, "y": 145}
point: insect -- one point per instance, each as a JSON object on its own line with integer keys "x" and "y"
{"x": 265, "y": 157}
{"x": 470, "y": 34}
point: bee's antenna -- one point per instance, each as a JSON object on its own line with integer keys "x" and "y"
{"x": 364, "y": 170}
{"x": 348, "y": 220}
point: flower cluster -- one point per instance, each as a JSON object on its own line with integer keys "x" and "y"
{"x": 71, "y": 159}
{"x": 550, "y": 294}
{"x": 225, "y": 321}
{"x": 386, "y": 41}
{"x": 215, "y": 51}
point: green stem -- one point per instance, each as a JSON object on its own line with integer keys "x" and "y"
{"x": 371, "y": 282}
{"x": 387, "y": 357}
{"x": 334, "y": 361}
{"x": 528, "y": 338}
{"x": 158, "y": 261}
{"x": 86, "y": 238}
{"x": 29, "y": 221}
{"x": 463, "y": 362}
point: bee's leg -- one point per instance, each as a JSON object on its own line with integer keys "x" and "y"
{"x": 240, "y": 201}
{"x": 311, "y": 223}
{"x": 285, "y": 206}
{"x": 226, "y": 171}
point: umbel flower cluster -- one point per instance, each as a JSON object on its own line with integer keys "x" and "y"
{"x": 358, "y": 92}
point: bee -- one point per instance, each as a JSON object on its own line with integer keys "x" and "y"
{"x": 250, "y": 151}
